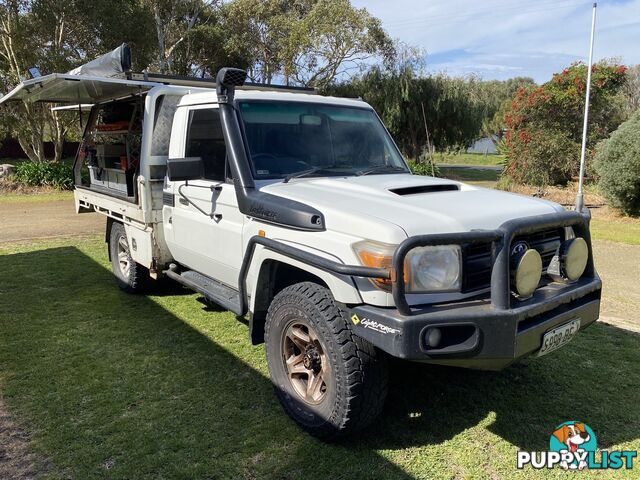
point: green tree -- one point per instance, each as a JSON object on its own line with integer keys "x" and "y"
{"x": 496, "y": 96}
{"x": 259, "y": 30}
{"x": 175, "y": 23}
{"x": 617, "y": 162}
{"x": 304, "y": 42}
{"x": 26, "y": 122}
{"x": 56, "y": 37}
{"x": 544, "y": 124}
{"x": 331, "y": 40}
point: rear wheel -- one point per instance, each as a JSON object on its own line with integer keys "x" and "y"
{"x": 130, "y": 276}
{"x": 330, "y": 381}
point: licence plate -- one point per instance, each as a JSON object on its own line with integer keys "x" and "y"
{"x": 559, "y": 336}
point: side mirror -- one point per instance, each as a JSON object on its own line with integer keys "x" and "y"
{"x": 181, "y": 169}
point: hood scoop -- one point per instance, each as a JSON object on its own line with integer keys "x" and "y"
{"x": 419, "y": 189}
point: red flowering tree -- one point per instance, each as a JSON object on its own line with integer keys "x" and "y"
{"x": 544, "y": 123}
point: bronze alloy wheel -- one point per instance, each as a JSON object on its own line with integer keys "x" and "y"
{"x": 329, "y": 381}
{"x": 305, "y": 362}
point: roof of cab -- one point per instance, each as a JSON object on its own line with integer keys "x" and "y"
{"x": 211, "y": 97}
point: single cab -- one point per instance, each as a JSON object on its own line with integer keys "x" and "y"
{"x": 299, "y": 211}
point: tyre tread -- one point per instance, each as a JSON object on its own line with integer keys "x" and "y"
{"x": 365, "y": 367}
{"x": 139, "y": 278}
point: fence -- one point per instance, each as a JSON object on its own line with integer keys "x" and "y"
{"x": 10, "y": 148}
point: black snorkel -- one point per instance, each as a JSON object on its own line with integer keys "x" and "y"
{"x": 252, "y": 202}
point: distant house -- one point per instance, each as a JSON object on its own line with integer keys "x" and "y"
{"x": 486, "y": 145}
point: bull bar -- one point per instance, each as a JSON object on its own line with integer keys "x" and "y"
{"x": 501, "y": 240}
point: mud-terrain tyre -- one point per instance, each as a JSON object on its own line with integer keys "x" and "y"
{"x": 130, "y": 276}
{"x": 330, "y": 381}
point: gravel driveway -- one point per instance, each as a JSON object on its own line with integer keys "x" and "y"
{"x": 619, "y": 266}
{"x": 33, "y": 220}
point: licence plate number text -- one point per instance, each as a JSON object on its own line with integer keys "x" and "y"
{"x": 559, "y": 336}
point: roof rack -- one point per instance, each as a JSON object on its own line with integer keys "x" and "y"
{"x": 65, "y": 88}
{"x": 186, "y": 81}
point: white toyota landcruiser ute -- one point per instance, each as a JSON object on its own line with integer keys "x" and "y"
{"x": 299, "y": 211}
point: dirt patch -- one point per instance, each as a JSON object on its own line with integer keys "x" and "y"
{"x": 17, "y": 461}
{"x": 20, "y": 221}
{"x": 564, "y": 196}
{"x": 617, "y": 264}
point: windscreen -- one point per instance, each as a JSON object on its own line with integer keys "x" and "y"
{"x": 289, "y": 138}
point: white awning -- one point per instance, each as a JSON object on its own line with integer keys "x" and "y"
{"x": 75, "y": 89}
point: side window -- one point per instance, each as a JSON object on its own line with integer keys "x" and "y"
{"x": 205, "y": 140}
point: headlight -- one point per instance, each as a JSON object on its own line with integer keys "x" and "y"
{"x": 378, "y": 255}
{"x": 434, "y": 269}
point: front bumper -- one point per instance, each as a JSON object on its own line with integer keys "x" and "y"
{"x": 474, "y": 333}
{"x": 486, "y": 333}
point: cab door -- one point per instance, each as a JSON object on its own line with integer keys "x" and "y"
{"x": 203, "y": 228}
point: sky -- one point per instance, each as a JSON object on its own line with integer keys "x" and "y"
{"x": 500, "y": 39}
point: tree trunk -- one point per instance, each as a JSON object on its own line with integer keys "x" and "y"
{"x": 415, "y": 150}
{"x": 161, "y": 40}
{"x": 58, "y": 134}
{"x": 33, "y": 150}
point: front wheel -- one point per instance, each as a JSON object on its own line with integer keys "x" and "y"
{"x": 330, "y": 381}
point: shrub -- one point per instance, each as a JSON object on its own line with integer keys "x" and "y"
{"x": 544, "y": 124}
{"x": 58, "y": 175}
{"x": 423, "y": 168}
{"x": 617, "y": 162}
{"x": 551, "y": 159}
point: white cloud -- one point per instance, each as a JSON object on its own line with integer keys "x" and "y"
{"x": 500, "y": 39}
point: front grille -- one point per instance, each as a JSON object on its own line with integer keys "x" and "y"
{"x": 478, "y": 259}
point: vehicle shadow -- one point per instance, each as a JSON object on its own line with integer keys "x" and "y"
{"x": 129, "y": 386}
{"x": 594, "y": 380}
{"x": 112, "y": 385}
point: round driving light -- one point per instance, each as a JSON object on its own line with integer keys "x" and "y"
{"x": 574, "y": 258}
{"x": 527, "y": 273}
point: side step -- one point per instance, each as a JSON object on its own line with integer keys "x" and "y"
{"x": 213, "y": 290}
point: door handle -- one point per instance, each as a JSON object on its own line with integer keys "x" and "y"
{"x": 183, "y": 201}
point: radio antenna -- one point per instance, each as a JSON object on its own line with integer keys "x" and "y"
{"x": 580, "y": 196}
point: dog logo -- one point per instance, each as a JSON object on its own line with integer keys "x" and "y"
{"x": 576, "y": 438}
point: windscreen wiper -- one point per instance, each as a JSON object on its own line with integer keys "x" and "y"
{"x": 379, "y": 168}
{"x": 310, "y": 171}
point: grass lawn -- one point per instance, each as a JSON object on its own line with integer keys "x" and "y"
{"x": 111, "y": 385}
{"x": 468, "y": 159}
{"x": 625, "y": 230}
